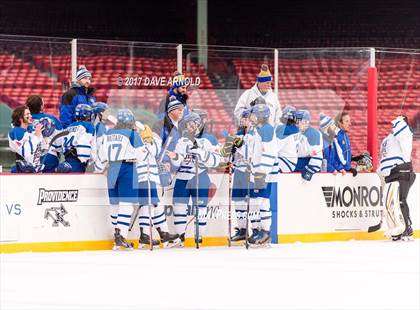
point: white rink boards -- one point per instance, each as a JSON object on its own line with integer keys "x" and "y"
{"x": 70, "y": 212}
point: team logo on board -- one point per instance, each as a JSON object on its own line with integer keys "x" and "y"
{"x": 57, "y": 215}
{"x": 46, "y": 196}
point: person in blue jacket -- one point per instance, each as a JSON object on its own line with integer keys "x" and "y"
{"x": 79, "y": 93}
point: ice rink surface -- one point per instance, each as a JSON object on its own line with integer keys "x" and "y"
{"x": 333, "y": 275}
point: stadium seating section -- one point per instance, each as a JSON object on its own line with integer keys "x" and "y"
{"x": 321, "y": 85}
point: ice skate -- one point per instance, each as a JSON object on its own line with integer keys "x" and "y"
{"x": 239, "y": 237}
{"x": 181, "y": 242}
{"x": 120, "y": 242}
{"x": 253, "y": 238}
{"x": 168, "y": 240}
{"x": 144, "y": 241}
{"x": 407, "y": 235}
{"x": 263, "y": 239}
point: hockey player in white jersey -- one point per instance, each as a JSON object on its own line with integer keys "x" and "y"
{"x": 100, "y": 116}
{"x": 310, "y": 146}
{"x": 148, "y": 177}
{"x": 263, "y": 159}
{"x": 77, "y": 144}
{"x": 122, "y": 148}
{"x": 191, "y": 153}
{"x": 25, "y": 141}
{"x": 236, "y": 148}
{"x": 396, "y": 171}
{"x": 287, "y": 140}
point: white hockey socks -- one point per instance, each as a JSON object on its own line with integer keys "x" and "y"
{"x": 180, "y": 217}
{"x": 265, "y": 213}
{"x": 240, "y": 210}
{"x": 113, "y": 213}
{"x": 124, "y": 216}
{"x": 254, "y": 213}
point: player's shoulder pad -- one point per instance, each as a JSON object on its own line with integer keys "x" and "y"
{"x": 283, "y": 131}
{"x": 313, "y": 135}
{"x": 135, "y": 138}
{"x": 88, "y": 126}
{"x": 100, "y": 129}
{"x": 266, "y": 132}
{"x": 17, "y": 133}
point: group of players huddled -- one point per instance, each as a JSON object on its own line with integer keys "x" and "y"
{"x": 179, "y": 151}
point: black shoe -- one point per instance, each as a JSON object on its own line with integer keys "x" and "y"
{"x": 120, "y": 241}
{"x": 240, "y": 234}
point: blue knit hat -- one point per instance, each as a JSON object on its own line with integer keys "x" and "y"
{"x": 174, "y": 104}
{"x": 264, "y": 75}
{"x": 82, "y": 73}
{"x": 178, "y": 80}
{"x": 324, "y": 121}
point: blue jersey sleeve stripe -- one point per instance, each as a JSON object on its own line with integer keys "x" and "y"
{"x": 392, "y": 158}
{"x": 398, "y": 132}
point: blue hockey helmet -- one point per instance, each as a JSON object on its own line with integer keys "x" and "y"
{"x": 303, "y": 115}
{"x": 99, "y": 107}
{"x": 125, "y": 118}
{"x": 261, "y": 110}
{"x": 83, "y": 112}
{"x": 48, "y": 126}
{"x": 288, "y": 114}
{"x": 191, "y": 124}
{"x": 246, "y": 113}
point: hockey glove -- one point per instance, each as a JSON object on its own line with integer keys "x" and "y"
{"x": 353, "y": 171}
{"x": 307, "y": 175}
{"x": 146, "y": 134}
{"x": 259, "y": 180}
{"x": 228, "y": 147}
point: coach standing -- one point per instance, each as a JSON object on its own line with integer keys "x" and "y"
{"x": 259, "y": 93}
{"x": 79, "y": 93}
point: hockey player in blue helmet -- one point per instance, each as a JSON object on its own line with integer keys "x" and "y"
{"x": 192, "y": 152}
{"x": 100, "y": 115}
{"x": 287, "y": 140}
{"x": 77, "y": 145}
{"x": 122, "y": 148}
{"x": 310, "y": 146}
{"x": 263, "y": 164}
{"x": 236, "y": 149}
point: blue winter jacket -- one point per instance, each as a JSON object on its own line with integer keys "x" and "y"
{"x": 342, "y": 151}
{"x": 75, "y": 95}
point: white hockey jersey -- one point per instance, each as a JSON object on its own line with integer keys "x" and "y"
{"x": 250, "y": 95}
{"x": 310, "y": 147}
{"x": 148, "y": 164}
{"x": 80, "y": 138}
{"x": 121, "y": 144}
{"x": 27, "y": 145}
{"x": 264, "y": 152}
{"x": 287, "y": 140}
{"x": 204, "y": 151}
{"x": 242, "y": 155}
{"x": 396, "y": 147}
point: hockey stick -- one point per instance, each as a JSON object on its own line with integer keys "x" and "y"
{"x": 133, "y": 218}
{"x": 149, "y": 200}
{"x": 197, "y": 231}
{"x": 248, "y": 201}
{"x": 230, "y": 201}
